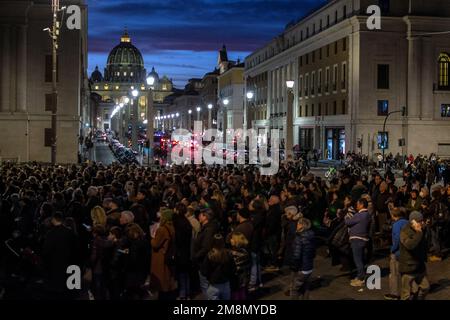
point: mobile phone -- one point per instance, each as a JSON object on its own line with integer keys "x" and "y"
{"x": 88, "y": 228}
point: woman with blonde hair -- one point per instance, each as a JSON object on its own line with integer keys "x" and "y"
{"x": 217, "y": 195}
{"x": 98, "y": 216}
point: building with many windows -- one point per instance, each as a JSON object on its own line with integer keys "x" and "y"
{"x": 349, "y": 78}
{"x": 26, "y": 79}
{"x": 230, "y": 93}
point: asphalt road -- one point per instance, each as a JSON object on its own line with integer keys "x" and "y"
{"x": 102, "y": 153}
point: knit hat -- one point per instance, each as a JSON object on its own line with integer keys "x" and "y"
{"x": 416, "y": 215}
{"x": 167, "y": 214}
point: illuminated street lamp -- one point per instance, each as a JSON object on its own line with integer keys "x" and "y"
{"x": 150, "y": 80}
{"x": 210, "y": 106}
{"x": 198, "y": 113}
{"x": 250, "y": 95}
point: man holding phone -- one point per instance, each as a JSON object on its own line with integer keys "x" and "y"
{"x": 413, "y": 257}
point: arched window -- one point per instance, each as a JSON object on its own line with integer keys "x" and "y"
{"x": 444, "y": 61}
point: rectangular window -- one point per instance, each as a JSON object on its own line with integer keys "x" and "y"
{"x": 306, "y": 84}
{"x": 307, "y": 32}
{"x": 301, "y": 61}
{"x": 313, "y": 57}
{"x": 328, "y": 21}
{"x": 383, "y": 76}
{"x": 300, "y": 111}
{"x": 383, "y": 107}
{"x": 445, "y": 110}
{"x": 336, "y": 47}
{"x": 336, "y": 17}
{"x": 320, "y": 54}
{"x": 345, "y": 11}
{"x": 326, "y": 109}
{"x": 306, "y": 111}
{"x": 344, "y": 76}
{"x": 383, "y": 140}
{"x": 334, "y": 107}
{"x": 307, "y": 59}
{"x": 300, "y": 86}
{"x": 328, "y": 51}
{"x": 344, "y": 44}
{"x": 314, "y": 28}
{"x": 313, "y": 82}
{"x": 327, "y": 80}
{"x": 335, "y": 77}
{"x": 319, "y": 82}
{"x": 312, "y": 110}
{"x": 320, "y": 110}
{"x": 321, "y": 26}
{"x": 49, "y": 68}
{"x": 301, "y": 35}
{"x": 344, "y": 107}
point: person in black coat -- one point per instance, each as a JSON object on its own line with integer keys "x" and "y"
{"x": 203, "y": 244}
{"x": 183, "y": 237}
{"x": 273, "y": 230}
{"x": 302, "y": 258}
{"x": 60, "y": 251}
{"x": 137, "y": 262}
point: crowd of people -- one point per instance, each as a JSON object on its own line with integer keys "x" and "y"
{"x": 194, "y": 231}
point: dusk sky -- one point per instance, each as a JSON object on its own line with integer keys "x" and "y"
{"x": 181, "y": 37}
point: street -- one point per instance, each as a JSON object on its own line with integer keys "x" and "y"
{"x": 102, "y": 153}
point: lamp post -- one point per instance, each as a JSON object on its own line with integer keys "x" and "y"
{"x": 134, "y": 122}
{"x": 226, "y": 102}
{"x": 54, "y": 35}
{"x": 189, "y": 119}
{"x": 289, "y": 145}
{"x": 198, "y": 113}
{"x": 150, "y": 122}
{"x": 250, "y": 95}
{"x": 210, "y": 106}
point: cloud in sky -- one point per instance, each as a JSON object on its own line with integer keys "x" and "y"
{"x": 181, "y": 37}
